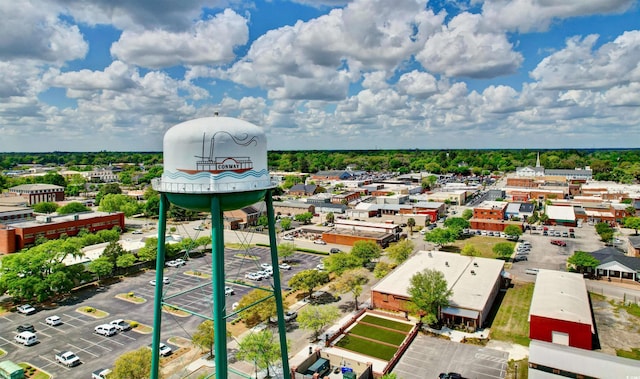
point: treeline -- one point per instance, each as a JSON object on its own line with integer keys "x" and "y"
{"x": 617, "y": 165}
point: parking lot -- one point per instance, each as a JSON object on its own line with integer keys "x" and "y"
{"x": 429, "y": 356}
{"x": 76, "y": 333}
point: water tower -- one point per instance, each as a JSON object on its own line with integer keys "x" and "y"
{"x": 214, "y": 164}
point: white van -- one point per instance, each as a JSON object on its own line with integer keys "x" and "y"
{"x": 106, "y": 330}
{"x": 26, "y": 338}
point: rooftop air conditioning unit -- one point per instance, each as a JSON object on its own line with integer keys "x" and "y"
{"x": 473, "y": 272}
{"x": 475, "y": 264}
{"x": 446, "y": 264}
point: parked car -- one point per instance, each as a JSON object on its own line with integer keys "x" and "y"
{"x": 164, "y": 350}
{"x": 121, "y": 325}
{"x": 287, "y": 238}
{"x": 559, "y": 243}
{"x": 288, "y": 317}
{"x": 26, "y": 338}
{"x": 53, "y": 320}
{"x": 137, "y": 232}
{"x": 284, "y": 266}
{"x": 266, "y": 266}
{"x": 228, "y": 291}
{"x": 519, "y": 258}
{"x": 176, "y": 263}
{"x": 320, "y": 267}
{"x": 26, "y": 328}
{"x": 334, "y": 250}
{"x": 319, "y": 242}
{"x": 264, "y": 274}
{"x": 323, "y": 297}
{"x": 67, "y": 358}
{"x": 102, "y": 373}
{"x": 26, "y": 309}
{"x": 106, "y": 330}
{"x": 252, "y": 276}
{"x": 164, "y": 280}
{"x": 449, "y": 375}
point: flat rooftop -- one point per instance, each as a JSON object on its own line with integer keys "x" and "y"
{"x": 470, "y": 290}
{"x": 561, "y": 296}
{"x": 492, "y": 205}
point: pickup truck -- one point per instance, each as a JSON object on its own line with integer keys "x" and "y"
{"x": 101, "y": 374}
{"x": 67, "y": 358}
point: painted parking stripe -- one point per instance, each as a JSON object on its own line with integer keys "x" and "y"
{"x": 126, "y": 336}
{"x": 53, "y": 362}
{"x": 485, "y": 375}
{"x": 84, "y": 350}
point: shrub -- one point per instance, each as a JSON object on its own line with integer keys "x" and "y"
{"x": 89, "y": 309}
{"x": 134, "y": 324}
{"x": 131, "y": 294}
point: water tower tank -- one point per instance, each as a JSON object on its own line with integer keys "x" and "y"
{"x": 219, "y": 156}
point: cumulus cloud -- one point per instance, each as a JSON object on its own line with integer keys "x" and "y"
{"x": 418, "y": 84}
{"x": 466, "y": 48}
{"x": 532, "y": 15}
{"x": 580, "y": 66}
{"x": 32, "y": 30}
{"x": 117, "y": 77}
{"x": 202, "y": 45}
{"x": 364, "y": 36}
{"x": 140, "y": 15}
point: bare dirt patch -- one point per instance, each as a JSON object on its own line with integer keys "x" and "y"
{"x": 617, "y": 329}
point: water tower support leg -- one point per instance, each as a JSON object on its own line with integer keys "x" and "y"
{"x": 217, "y": 277}
{"x": 157, "y": 301}
{"x": 273, "y": 243}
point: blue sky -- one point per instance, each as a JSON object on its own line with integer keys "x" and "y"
{"x": 322, "y": 74}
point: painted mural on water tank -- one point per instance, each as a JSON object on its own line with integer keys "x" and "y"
{"x": 215, "y": 154}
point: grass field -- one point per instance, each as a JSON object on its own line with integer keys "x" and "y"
{"x": 367, "y": 347}
{"x": 379, "y": 334}
{"x": 483, "y": 244}
{"x": 401, "y": 326}
{"x": 510, "y": 323}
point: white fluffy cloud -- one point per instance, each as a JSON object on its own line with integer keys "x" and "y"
{"x": 200, "y": 46}
{"x": 580, "y": 65}
{"x": 31, "y": 30}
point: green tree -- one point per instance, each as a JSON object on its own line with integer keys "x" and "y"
{"x": 261, "y": 348}
{"x": 316, "y": 317}
{"x": 366, "y": 251}
{"x": 112, "y": 252}
{"x": 341, "y": 262}
{"x": 352, "y": 281}
{"x": 304, "y": 218}
{"x": 285, "y": 223}
{"x": 119, "y": 203}
{"x": 54, "y": 178}
{"x": 382, "y": 269}
{"x": 467, "y": 214}
{"x": 151, "y": 207}
{"x": 133, "y": 365}
{"x": 440, "y": 236}
{"x": 126, "y": 260}
{"x": 204, "y": 337}
{"x": 457, "y": 223}
{"x": 400, "y": 251}
{"x": 45, "y": 207}
{"x": 308, "y": 280}
{"x": 469, "y": 250}
{"x": 513, "y": 231}
{"x": 110, "y": 188}
{"x": 285, "y": 250}
{"x": 263, "y": 221}
{"x": 330, "y": 217}
{"x": 631, "y": 210}
{"x": 101, "y": 266}
{"x": 411, "y": 222}
{"x": 582, "y": 260}
{"x": 259, "y": 312}
{"x": 73, "y": 207}
{"x": 429, "y": 293}
{"x": 632, "y": 223}
{"x": 503, "y": 249}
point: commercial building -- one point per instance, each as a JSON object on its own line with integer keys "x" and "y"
{"x": 17, "y": 235}
{"x": 39, "y": 193}
{"x": 561, "y": 215}
{"x": 474, "y": 282}
{"x": 560, "y": 312}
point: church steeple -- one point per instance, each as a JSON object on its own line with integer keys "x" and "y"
{"x": 538, "y": 160}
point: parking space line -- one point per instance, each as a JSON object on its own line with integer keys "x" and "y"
{"x": 484, "y": 375}
{"x": 73, "y": 317}
{"x": 126, "y": 336}
{"x": 54, "y": 363}
{"x": 43, "y": 333}
{"x": 85, "y": 350}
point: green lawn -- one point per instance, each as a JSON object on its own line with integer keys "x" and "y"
{"x": 401, "y": 326}
{"x": 383, "y": 335}
{"x": 483, "y": 244}
{"x": 511, "y": 321}
{"x": 367, "y": 347}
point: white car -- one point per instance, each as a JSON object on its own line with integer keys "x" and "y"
{"x": 264, "y": 274}
{"x": 176, "y": 263}
{"x": 121, "y": 325}
{"x": 228, "y": 291}
{"x": 164, "y": 350}
{"x": 266, "y": 266}
{"x": 53, "y": 320}
{"x": 320, "y": 267}
{"x": 235, "y": 306}
{"x": 137, "y": 232}
{"x": 287, "y": 238}
{"x": 164, "y": 280}
{"x": 252, "y": 276}
{"x": 26, "y": 309}
{"x": 284, "y": 266}
{"x": 319, "y": 242}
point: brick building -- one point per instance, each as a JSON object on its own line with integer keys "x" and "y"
{"x": 39, "y": 193}
{"x": 16, "y": 236}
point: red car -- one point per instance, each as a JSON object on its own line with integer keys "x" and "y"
{"x": 559, "y": 243}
